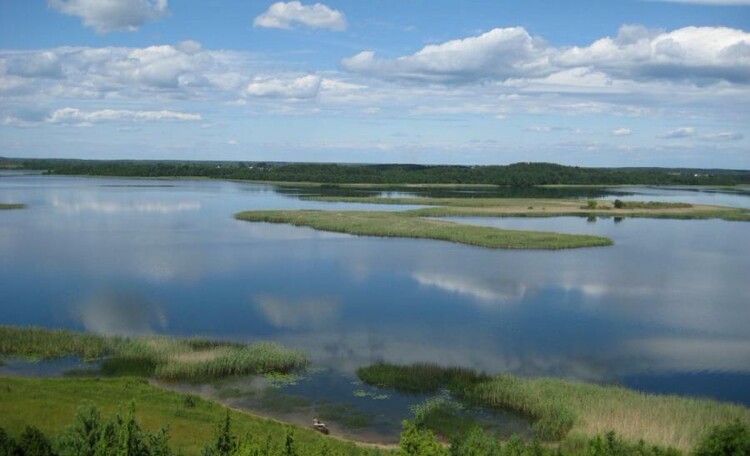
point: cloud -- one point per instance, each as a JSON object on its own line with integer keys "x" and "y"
{"x": 550, "y": 129}
{"x": 76, "y": 116}
{"x": 286, "y": 15}
{"x": 682, "y": 132}
{"x": 501, "y": 53}
{"x": 695, "y": 54}
{"x": 44, "y": 64}
{"x": 698, "y": 54}
{"x": 722, "y": 137}
{"x": 297, "y": 88}
{"x": 179, "y": 71}
{"x": 283, "y": 312}
{"x": 622, "y": 132}
{"x": 113, "y": 15}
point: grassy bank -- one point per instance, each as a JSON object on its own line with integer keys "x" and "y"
{"x": 11, "y": 206}
{"x": 399, "y": 224}
{"x": 537, "y": 207}
{"x": 563, "y": 408}
{"x": 162, "y": 357}
{"x": 50, "y": 404}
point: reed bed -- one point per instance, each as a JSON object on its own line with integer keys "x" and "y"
{"x": 561, "y": 408}
{"x": 419, "y": 377}
{"x": 11, "y": 206}
{"x": 405, "y": 225}
{"x": 162, "y": 357}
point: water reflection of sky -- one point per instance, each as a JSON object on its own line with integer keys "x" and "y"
{"x": 666, "y": 305}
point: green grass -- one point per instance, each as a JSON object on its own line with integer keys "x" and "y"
{"x": 545, "y": 207}
{"x": 400, "y": 224}
{"x": 562, "y": 408}
{"x": 162, "y": 357}
{"x": 50, "y": 404}
{"x": 11, "y": 206}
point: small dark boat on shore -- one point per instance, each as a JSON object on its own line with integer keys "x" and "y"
{"x": 320, "y": 426}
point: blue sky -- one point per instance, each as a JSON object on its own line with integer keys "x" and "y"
{"x": 615, "y": 83}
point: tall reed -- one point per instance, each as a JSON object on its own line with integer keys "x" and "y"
{"x": 167, "y": 357}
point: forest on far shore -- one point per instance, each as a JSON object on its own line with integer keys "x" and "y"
{"x": 515, "y": 175}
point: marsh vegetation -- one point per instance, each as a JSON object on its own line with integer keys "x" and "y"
{"x": 9, "y": 206}
{"x": 158, "y": 356}
{"x": 405, "y": 225}
{"x": 562, "y": 408}
{"x": 538, "y": 207}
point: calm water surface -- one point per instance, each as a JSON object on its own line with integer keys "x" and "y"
{"x": 666, "y": 309}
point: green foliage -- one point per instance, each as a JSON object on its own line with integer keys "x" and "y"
{"x": 416, "y": 441}
{"x": 731, "y": 439}
{"x": 89, "y": 435}
{"x": 591, "y": 204}
{"x": 618, "y": 204}
{"x": 33, "y": 442}
{"x": 225, "y": 443}
{"x": 475, "y": 443}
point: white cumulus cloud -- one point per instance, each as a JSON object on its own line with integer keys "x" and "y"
{"x": 622, "y": 132}
{"x": 287, "y": 15}
{"x": 694, "y": 54}
{"x": 501, "y": 53}
{"x": 111, "y": 15}
{"x": 76, "y": 116}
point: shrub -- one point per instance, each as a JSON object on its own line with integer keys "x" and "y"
{"x": 731, "y": 439}
{"x": 33, "y": 442}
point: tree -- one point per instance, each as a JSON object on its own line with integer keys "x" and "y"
{"x": 225, "y": 443}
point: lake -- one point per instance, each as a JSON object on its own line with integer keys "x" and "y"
{"x": 666, "y": 309}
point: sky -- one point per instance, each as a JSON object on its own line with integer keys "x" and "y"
{"x": 578, "y": 82}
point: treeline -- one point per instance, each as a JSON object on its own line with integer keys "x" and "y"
{"x": 92, "y": 435}
{"x": 515, "y": 175}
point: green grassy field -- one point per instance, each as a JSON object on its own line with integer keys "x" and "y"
{"x": 546, "y": 207}
{"x": 11, "y": 206}
{"x": 50, "y": 404}
{"x": 162, "y": 357}
{"x": 399, "y": 224}
{"x": 563, "y": 409}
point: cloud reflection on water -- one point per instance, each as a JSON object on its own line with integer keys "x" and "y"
{"x": 120, "y": 313}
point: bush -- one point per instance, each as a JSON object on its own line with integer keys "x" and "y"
{"x": 619, "y": 204}
{"x": 33, "y": 442}
{"x": 419, "y": 442}
{"x": 730, "y": 440}
{"x": 89, "y": 435}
